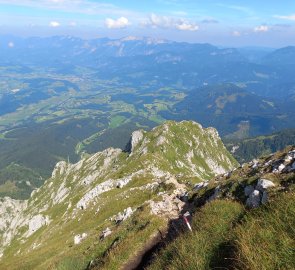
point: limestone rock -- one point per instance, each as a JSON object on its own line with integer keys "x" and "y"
{"x": 264, "y": 184}
{"x": 60, "y": 195}
{"x": 60, "y": 168}
{"x": 105, "y": 233}
{"x": 123, "y": 215}
{"x": 79, "y": 237}
{"x": 281, "y": 167}
{"x": 93, "y": 193}
{"x": 11, "y": 217}
{"x": 136, "y": 137}
{"x": 36, "y": 223}
{"x": 201, "y": 185}
{"x": 170, "y": 206}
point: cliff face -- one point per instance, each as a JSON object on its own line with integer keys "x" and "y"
{"x": 110, "y": 195}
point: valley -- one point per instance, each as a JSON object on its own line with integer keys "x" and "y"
{"x": 62, "y": 98}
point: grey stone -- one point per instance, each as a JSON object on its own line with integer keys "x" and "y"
{"x": 264, "y": 198}
{"x": 248, "y": 190}
{"x": 254, "y": 199}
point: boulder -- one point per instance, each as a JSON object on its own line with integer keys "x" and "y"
{"x": 264, "y": 184}
{"x": 254, "y": 199}
{"x": 248, "y": 190}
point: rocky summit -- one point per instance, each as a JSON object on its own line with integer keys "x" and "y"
{"x": 114, "y": 197}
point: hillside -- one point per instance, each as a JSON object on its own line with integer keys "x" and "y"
{"x": 124, "y": 209}
{"x": 233, "y": 109}
{"x": 79, "y": 214}
{"x": 251, "y": 148}
{"x": 247, "y": 221}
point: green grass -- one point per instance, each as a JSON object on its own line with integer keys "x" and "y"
{"x": 225, "y": 236}
{"x": 200, "y": 249}
{"x": 266, "y": 238}
{"x": 116, "y": 121}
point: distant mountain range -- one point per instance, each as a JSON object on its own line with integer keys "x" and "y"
{"x": 135, "y": 60}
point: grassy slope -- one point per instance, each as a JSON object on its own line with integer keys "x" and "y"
{"x": 263, "y": 239}
{"x": 266, "y": 237}
{"x": 200, "y": 249}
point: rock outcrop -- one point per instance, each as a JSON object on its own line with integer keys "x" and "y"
{"x": 268, "y": 175}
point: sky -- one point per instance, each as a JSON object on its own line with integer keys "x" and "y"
{"x": 268, "y": 23}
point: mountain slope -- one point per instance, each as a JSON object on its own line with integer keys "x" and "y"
{"x": 232, "y": 109}
{"x": 250, "y": 148}
{"x": 79, "y": 214}
{"x": 227, "y": 232}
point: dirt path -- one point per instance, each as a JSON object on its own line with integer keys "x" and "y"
{"x": 139, "y": 260}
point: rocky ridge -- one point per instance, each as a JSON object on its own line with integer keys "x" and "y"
{"x": 253, "y": 183}
{"x": 103, "y": 191}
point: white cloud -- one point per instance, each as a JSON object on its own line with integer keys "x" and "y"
{"x": 261, "y": 28}
{"x": 121, "y": 22}
{"x": 288, "y": 17}
{"x": 236, "y": 33}
{"x": 184, "y": 26}
{"x": 157, "y": 21}
{"x": 54, "y": 24}
{"x": 10, "y": 44}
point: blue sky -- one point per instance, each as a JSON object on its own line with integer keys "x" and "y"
{"x": 237, "y": 23}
